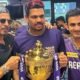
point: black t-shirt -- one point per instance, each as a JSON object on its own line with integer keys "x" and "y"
{"x": 5, "y": 53}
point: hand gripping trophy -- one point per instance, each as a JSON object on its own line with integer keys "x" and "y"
{"x": 39, "y": 62}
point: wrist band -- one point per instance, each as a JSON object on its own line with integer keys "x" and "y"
{"x": 4, "y": 69}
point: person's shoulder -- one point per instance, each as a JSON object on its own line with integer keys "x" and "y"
{"x": 55, "y": 31}
{"x": 9, "y": 39}
{"x": 21, "y": 34}
{"x": 21, "y": 29}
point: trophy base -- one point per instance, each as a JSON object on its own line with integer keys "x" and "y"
{"x": 40, "y": 77}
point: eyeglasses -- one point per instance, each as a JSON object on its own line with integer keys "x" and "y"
{"x": 4, "y": 20}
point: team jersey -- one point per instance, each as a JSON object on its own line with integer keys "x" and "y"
{"x": 50, "y": 38}
{"x": 74, "y": 60}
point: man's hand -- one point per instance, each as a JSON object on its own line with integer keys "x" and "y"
{"x": 12, "y": 63}
{"x": 63, "y": 60}
{"x": 49, "y": 26}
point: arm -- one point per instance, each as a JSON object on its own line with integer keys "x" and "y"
{"x": 2, "y": 72}
{"x": 11, "y": 64}
{"x": 62, "y": 53}
{"x": 63, "y": 60}
{"x": 16, "y": 74}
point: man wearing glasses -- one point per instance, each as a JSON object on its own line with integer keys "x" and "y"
{"x": 6, "y": 43}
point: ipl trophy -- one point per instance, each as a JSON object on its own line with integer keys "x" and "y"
{"x": 39, "y": 62}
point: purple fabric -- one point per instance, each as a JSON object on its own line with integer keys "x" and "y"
{"x": 56, "y": 68}
{"x": 74, "y": 63}
{"x": 24, "y": 41}
{"x": 22, "y": 71}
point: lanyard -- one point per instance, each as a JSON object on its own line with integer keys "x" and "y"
{"x": 56, "y": 68}
{"x": 22, "y": 69}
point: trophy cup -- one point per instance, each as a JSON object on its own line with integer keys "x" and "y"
{"x": 38, "y": 62}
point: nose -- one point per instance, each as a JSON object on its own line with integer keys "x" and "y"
{"x": 39, "y": 19}
{"x": 6, "y": 23}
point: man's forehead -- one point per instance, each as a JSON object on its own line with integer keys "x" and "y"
{"x": 36, "y": 11}
{"x": 2, "y": 15}
{"x": 74, "y": 19}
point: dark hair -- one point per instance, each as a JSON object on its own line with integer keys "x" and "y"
{"x": 72, "y": 13}
{"x": 60, "y": 18}
{"x": 33, "y": 4}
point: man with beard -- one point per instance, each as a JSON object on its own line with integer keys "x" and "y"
{"x": 6, "y": 44}
{"x": 73, "y": 44}
{"x": 36, "y": 30}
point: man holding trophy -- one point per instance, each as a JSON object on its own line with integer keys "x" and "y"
{"x": 40, "y": 46}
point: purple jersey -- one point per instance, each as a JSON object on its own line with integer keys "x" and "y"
{"x": 24, "y": 41}
{"x": 50, "y": 38}
{"x": 74, "y": 60}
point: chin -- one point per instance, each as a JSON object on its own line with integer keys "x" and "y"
{"x": 39, "y": 29}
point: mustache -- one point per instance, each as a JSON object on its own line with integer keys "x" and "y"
{"x": 76, "y": 31}
{"x": 4, "y": 28}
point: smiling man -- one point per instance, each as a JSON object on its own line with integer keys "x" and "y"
{"x": 73, "y": 44}
{"x": 6, "y": 43}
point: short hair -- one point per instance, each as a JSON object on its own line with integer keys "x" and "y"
{"x": 72, "y": 13}
{"x": 33, "y": 4}
{"x": 60, "y": 18}
{"x": 3, "y": 10}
